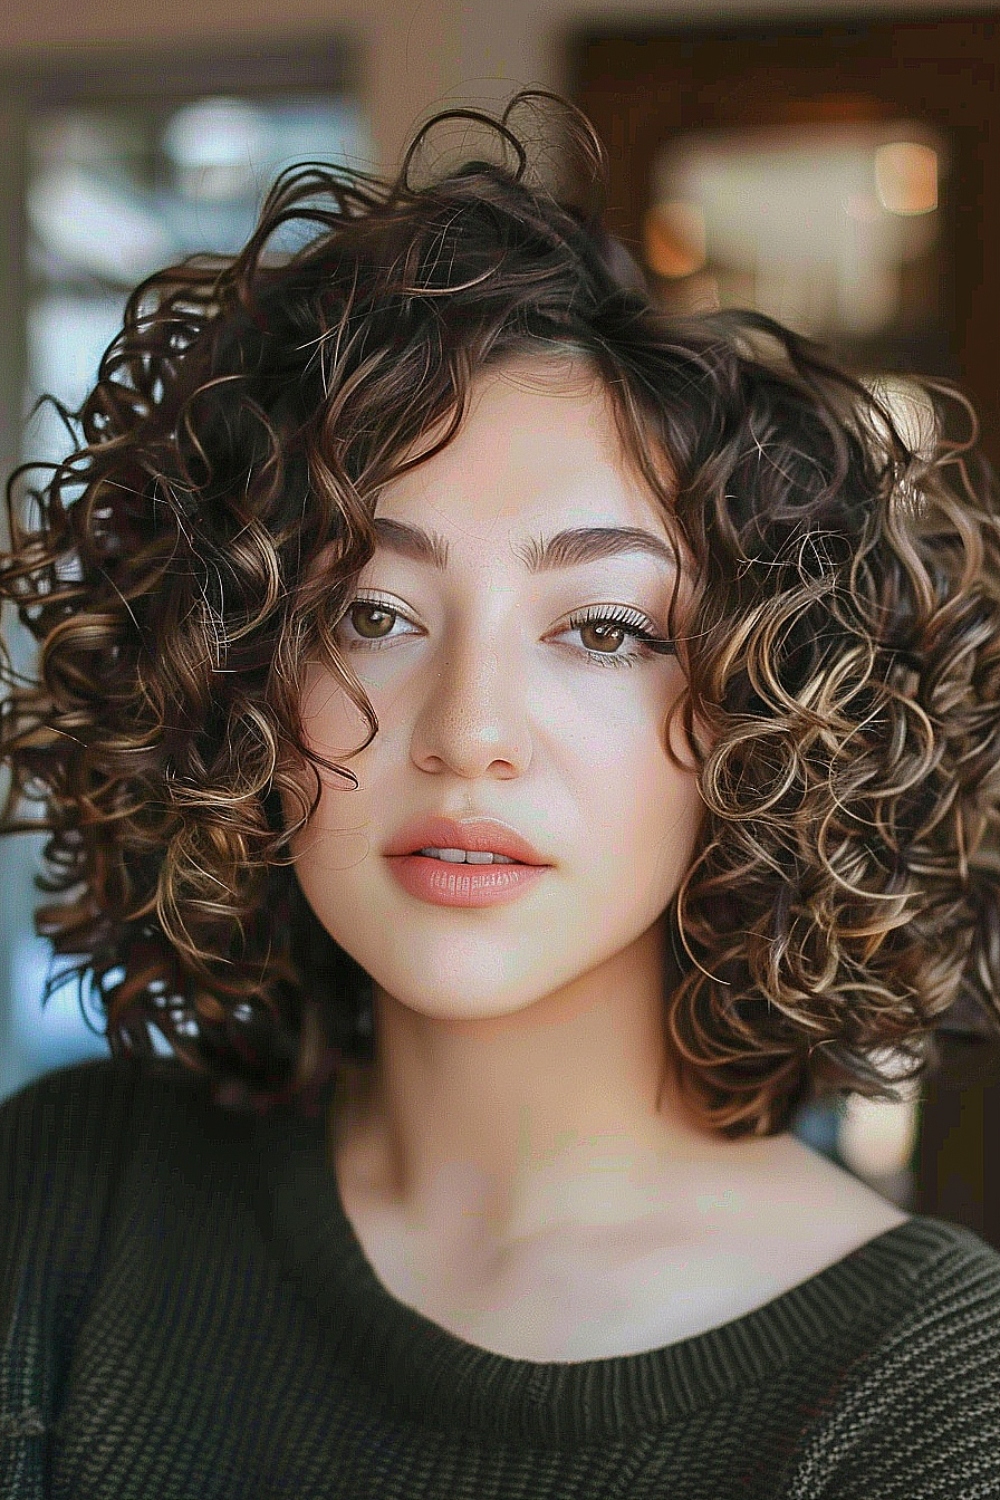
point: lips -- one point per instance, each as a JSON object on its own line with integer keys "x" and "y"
{"x": 480, "y": 835}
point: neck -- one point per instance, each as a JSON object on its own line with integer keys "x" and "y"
{"x": 503, "y": 1128}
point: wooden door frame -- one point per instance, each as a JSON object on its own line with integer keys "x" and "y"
{"x": 642, "y": 87}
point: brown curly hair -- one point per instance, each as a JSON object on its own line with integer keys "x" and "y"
{"x": 843, "y": 650}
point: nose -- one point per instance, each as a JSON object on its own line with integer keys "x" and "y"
{"x": 472, "y": 720}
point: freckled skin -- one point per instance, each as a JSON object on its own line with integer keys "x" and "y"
{"x": 491, "y": 709}
{"x": 518, "y": 1098}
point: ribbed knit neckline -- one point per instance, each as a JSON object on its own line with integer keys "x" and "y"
{"x": 431, "y": 1375}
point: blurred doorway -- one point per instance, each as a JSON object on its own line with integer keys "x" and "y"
{"x": 873, "y": 144}
{"x": 843, "y": 176}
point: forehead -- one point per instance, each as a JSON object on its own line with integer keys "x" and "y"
{"x": 539, "y": 446}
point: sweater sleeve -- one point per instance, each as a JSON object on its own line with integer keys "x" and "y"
{"x": 918, "y": 1418}
{"x": 60, "y": 1153}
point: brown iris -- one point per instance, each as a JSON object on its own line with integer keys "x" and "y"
{"x": 602, "y": 633}
{"x": 376, "y": 613}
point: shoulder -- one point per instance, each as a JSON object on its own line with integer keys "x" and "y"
{"x": 65, "y": 1142}
{"x": 68, "y": 1143}
{"x": 917, "y": 1415}
{"x": 78, "y": 1120}
{"x": 69, "y": 1138}
{"x": 107, "y": 1169}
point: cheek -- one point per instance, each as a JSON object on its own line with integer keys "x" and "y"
{"x": 665, "y": 829}
{"x": 335, "y": 836}
{"x": 643, "y": 813}
{"x": 666, "y": 782}
{"x": 331, "y": 722}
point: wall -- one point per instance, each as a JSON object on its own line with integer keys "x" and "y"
{"x": 419, "y": 54}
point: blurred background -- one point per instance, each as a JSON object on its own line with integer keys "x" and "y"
{"x": 836, "y": 167}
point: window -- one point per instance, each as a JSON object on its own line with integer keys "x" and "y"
{"x": 113, "y": 170}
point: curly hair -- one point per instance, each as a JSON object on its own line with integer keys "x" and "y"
{"x": 842, "y": 650}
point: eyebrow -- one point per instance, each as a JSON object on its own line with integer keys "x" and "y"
{"x": 565, "y": 549}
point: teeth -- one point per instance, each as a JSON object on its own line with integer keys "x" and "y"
{"x": 467, "y": 856}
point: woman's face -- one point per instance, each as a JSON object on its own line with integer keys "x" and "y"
{"x": 490, "y": 707}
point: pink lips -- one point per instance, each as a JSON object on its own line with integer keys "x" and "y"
{"x": 482, "y": 835}
{"x": 446, "y": 884}
{"x": 462, "y": 885}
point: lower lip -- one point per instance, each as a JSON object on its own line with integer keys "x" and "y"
{"x": 448, "y": 884}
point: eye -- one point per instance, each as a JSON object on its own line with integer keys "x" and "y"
{"x": 371, "y": 621}
{"x": 603, "y": 629}
{"x": 608, "y": 627}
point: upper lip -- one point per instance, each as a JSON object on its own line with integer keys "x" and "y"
{"x": 483, "y": 835}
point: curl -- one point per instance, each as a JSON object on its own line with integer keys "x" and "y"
{"x": 192, "y": 555}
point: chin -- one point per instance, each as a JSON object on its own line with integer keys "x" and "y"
{"x": 446, "y": 1005}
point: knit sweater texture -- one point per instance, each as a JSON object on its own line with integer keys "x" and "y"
{"x": 187, "y": 1314}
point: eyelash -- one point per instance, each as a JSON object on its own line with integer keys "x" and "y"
{"x": 626, "y": 620}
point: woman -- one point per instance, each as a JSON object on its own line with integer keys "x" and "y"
{"x": 426, "y": 546}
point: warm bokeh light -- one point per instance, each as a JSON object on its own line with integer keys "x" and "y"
{"x": 877, "y": 1138}
{"x": 675, "y": 239}
{"x": 906, "y": 178}
{"x": 827, "y": 227}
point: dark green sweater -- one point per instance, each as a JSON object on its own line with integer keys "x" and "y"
{"x": 186, "y": 1312}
